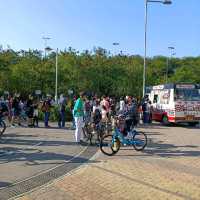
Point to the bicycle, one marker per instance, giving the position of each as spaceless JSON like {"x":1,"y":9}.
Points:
{"x":94,"y":132}
{"x":110,"y":144}
{"x":87,"y":132}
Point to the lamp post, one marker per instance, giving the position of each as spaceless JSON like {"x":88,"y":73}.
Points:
{"x":165,"y":2}
{"x":171,"y":53}
{"x":56,"y":78}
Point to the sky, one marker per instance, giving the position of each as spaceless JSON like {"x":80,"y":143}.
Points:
{"x":83,"y":24}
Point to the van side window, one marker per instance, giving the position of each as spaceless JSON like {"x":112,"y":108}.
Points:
{"x":165,"y":97}
{"x":155,"y":98}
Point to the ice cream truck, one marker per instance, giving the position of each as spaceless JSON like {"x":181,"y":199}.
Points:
{"x":177,"y":103}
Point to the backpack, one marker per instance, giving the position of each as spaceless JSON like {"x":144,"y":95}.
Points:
{"x":43,"y":108}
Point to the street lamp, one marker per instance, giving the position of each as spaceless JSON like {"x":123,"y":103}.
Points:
{"x":56,"y":78}
{"x":165,"y":2}
{"x":171,"y":53}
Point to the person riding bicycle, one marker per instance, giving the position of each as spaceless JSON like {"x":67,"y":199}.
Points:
{"x":130,"y":114}
{"x":96,"y":114}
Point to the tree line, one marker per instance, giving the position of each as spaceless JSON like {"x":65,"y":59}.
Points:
{"x":97,"y":71}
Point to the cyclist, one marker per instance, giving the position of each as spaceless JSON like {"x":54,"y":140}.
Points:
{"x":96,"y":114}
{"x":129,"y":113}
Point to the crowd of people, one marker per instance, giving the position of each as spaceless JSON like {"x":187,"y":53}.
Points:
{"x":84,"y":109}
{"x":95,"y":109}
{"x":19,"y":109}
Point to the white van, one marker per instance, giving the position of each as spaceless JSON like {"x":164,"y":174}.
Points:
{"x":175,"y":103}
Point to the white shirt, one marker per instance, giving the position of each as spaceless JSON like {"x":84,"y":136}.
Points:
{"x":122,"y":105}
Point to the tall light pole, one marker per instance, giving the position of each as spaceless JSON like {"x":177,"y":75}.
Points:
{"x":56,"y":86}
{"x":171,"y":53}
{"x":56,"y":78}
{"x":165,"y":2}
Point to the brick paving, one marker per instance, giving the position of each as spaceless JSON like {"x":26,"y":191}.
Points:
{"x":169,"y":168}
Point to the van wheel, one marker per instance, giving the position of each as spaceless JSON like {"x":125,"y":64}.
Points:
{"x":165,"y":120}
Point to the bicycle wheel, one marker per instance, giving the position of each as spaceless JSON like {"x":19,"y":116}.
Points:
{"x":87,"y":131}
{"x":2,"y":127}
{"x":100,"y":134}
{"x":108,"y":147}
{"x":139,"y":141}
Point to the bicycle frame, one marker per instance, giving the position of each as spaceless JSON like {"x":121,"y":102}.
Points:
{"x":120,"y":136}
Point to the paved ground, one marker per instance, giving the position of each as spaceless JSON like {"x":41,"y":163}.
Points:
{"x":25,"y":152}
{"x":169,"y":168}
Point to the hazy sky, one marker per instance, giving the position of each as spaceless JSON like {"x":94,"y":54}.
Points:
{"x":84,"y":24}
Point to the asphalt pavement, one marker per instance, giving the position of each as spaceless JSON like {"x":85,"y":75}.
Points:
{"x":26,"y":153}
{"x":169,"y":168}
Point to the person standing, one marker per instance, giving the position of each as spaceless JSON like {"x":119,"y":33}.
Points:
{"x":15,"y":110}
{"x":88,"y":110}
{"x":105,"y":103}
{"x":122,"y":104}
{"x":29,"y":111}
{"x":96,"y":112}
{"x":62,"y":111}
{"x":78,"y":113}
{"x":146,"y":107}
{"x":35,"y":114}
{"x":129,"y":113}
{"x":46,"y":109}
{"x":72,"y":103}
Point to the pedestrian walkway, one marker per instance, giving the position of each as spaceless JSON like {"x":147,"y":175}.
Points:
{"x":31,"y":157}
{"x":168,"y":169}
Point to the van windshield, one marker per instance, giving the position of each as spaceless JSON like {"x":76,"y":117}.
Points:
{"x":187,"y":94}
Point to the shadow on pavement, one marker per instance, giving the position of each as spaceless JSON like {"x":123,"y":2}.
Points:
{"x":159,"y":148}
{"x":37,"y":157}
{"x":31,"y":142}
{"x":4,"y":184}
{"x":153,"y":126}
{"x":16,"y":135}
{"x":162,"y":149}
